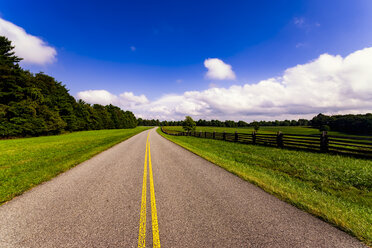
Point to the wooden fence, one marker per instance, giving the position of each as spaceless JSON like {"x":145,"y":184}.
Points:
{"x":357,"y":146}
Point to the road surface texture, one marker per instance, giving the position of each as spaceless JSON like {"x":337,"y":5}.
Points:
{"x":198,"y":204}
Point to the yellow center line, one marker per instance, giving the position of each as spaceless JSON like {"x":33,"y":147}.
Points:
{"x":154,"y":215}
{"x":155,"y":227}
{"x":142,"y":227}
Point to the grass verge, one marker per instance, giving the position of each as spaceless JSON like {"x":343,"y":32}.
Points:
{"x":27,"y":162}
{"x":335,"y":188}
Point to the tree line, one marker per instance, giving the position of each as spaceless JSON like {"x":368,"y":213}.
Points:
{"x":227,"y":123}
{"x":354,"y":124}
{"x":37,"y":104}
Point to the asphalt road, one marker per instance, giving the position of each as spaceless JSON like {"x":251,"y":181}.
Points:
{"x":98,"y":204}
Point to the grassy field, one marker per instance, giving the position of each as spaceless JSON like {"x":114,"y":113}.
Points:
{"x":25,"y":163}
{"x":334,"y":188}
{"x":264,"y":130}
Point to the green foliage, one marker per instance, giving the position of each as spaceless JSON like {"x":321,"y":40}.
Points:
{"x":256,"y":126}
{"x":36,"y":104}
{"x":153,"y":122}
{"x":324,"y":128}
{"x":335,"y":188}
{"x":354,"y":124}
{"x":227,"y":123}
{"x":189,"y":124}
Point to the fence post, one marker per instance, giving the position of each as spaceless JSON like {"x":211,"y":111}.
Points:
{"x":200,"y":134}
{"x":205,"y":134}
{"x":224,"y":135}
{"x":324,"y":142}
{"x":253,"y":137}
{"x":236,"y":136}
{"x":279,"y":139}
{"x":214,"y":134}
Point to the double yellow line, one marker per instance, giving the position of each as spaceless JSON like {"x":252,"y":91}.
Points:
{"x":154,"y":215}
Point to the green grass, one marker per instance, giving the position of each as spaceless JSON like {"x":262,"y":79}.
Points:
{"x":335,"y":188}
{"x":264,"y":130}
{"x":27,"y":162}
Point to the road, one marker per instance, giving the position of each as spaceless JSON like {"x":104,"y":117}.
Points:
{"x":184,"y":201}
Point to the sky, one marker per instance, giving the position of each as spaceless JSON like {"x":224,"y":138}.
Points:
{"x":237,"y":60}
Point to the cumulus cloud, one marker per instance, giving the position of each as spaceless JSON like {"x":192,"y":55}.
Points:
{"x":217,"y":69}
{"x":103,"y":97}
{"x":32,"y":49}
{"x":128,"y":99}
{"x":329,"y":84}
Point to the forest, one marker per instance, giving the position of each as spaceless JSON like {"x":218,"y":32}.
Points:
{"x":37,"y":104}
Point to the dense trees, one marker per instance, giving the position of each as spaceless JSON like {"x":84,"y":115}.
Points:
{"x":230,"y":123}
{"x":36,"y":104}
{"x":227,"y":123}
{"x":356,"y":124}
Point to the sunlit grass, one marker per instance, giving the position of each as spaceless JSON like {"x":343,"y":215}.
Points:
{"x":27,"y":162}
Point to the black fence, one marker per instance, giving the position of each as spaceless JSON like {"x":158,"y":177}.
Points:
{"x":356,"y":146}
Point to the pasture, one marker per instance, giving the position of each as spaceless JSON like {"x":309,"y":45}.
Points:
{"x":27,"y":162}
{"x":333,"y":187}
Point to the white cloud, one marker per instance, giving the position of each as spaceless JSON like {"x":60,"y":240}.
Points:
{"x":32,"y":49}
{"x":124,"y":100}
{"x":97,"y":96}
{"x":217,"y":69}
{"x":129,"y":100}
{"x":328,"y":84}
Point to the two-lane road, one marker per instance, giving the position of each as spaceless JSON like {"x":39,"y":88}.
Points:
{"x":148,"y":188}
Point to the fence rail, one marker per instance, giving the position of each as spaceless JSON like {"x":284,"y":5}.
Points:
{"x":356,"y":146}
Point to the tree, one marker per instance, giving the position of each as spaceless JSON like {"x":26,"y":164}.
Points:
{"x":324,"y":128}
{"x":189,"y":124}
{"x":242,"y":124}
{"x":10,"y":73}
{"x":320,"y":120}
{"x":256,"y":125}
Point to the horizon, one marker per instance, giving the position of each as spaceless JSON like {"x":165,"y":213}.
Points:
{"x":224,"y":61}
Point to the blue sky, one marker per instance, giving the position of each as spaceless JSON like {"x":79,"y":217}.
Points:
{"x":158,"y":48}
